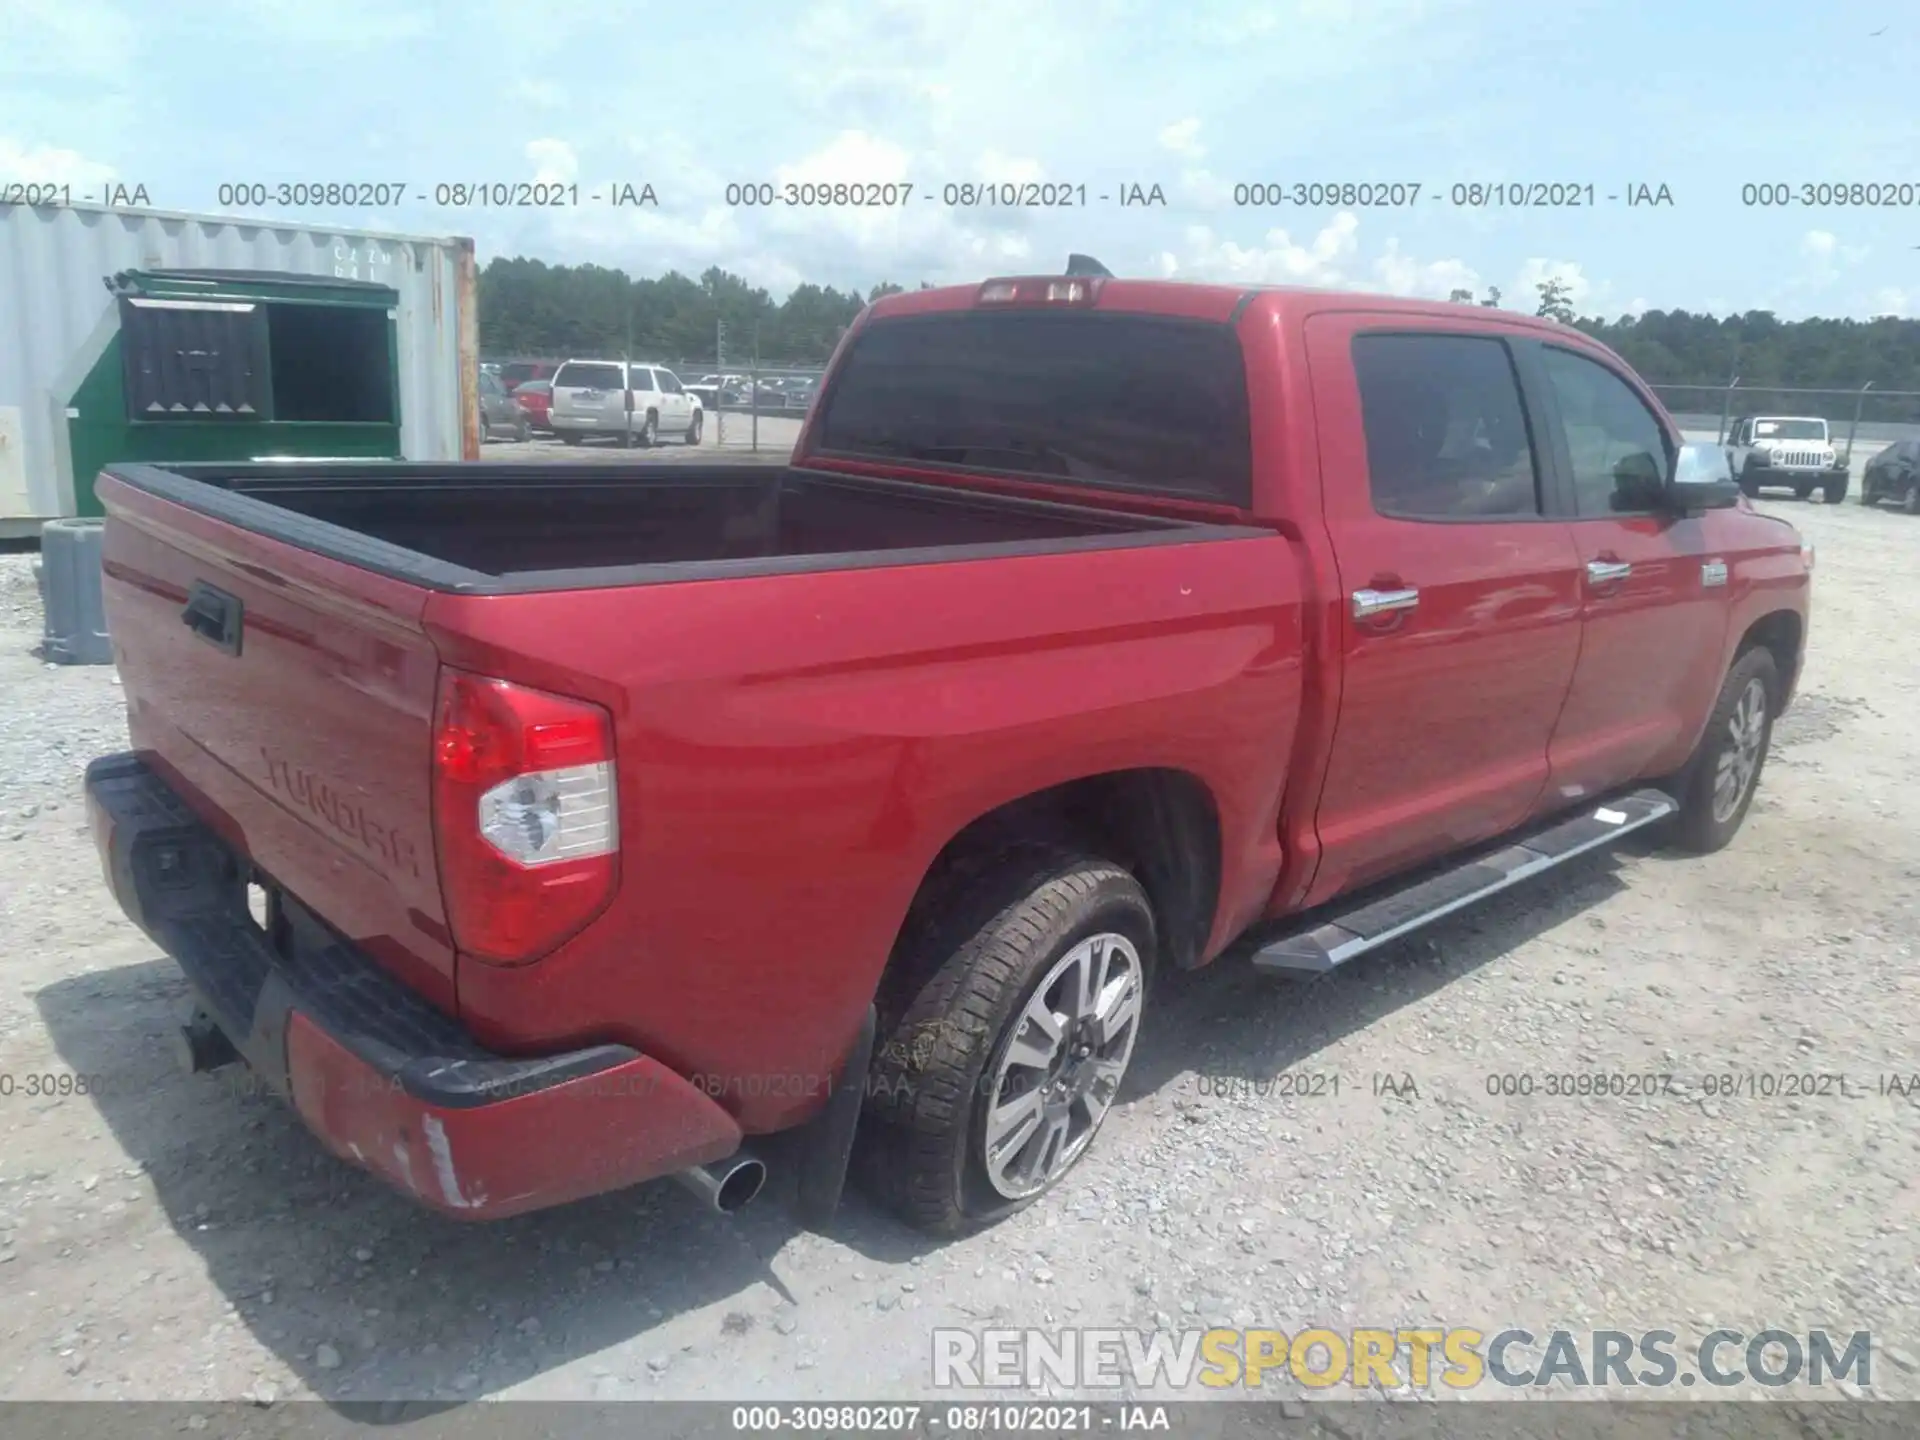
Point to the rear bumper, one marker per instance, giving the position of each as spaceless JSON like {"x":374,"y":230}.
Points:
{"x":383,"y":1078}
{"x":1785,"y":477}
{"x":587,"y":424}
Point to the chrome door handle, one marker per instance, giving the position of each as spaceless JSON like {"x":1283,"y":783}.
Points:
{"x":1607,"y":572}
{"x":1368,"y":603}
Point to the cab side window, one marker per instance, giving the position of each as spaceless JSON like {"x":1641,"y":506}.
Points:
{"x":1447,"y":435}
{"x":1617,"y":446}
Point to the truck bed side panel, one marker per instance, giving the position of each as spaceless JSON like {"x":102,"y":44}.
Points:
{"x":794,"y":751}
{"x":310,"y":748}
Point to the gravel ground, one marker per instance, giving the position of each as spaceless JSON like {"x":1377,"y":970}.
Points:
{"x":173,"y":1237}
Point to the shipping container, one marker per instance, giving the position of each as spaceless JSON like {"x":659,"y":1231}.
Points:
{"x":60,"y":316}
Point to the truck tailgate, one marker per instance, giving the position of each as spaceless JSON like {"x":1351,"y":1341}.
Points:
{"x":290,"y":698}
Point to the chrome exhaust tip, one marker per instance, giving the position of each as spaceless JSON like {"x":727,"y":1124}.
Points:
{"x":726,"y":1185}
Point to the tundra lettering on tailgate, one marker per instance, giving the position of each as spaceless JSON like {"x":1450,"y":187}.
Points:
{"x":341,"y":813}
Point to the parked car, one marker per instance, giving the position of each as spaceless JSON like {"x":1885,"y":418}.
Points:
{"x":714,"y":391}
{"x":632,"y":403}
{"x":499,"y":415}
{"x":603,"y":826}
{"x":1894,"y":474}
{"x":516,"y":373}
{"x":1788,"y":452}
{"x":536,"y":398}
{"x":799,"y":392}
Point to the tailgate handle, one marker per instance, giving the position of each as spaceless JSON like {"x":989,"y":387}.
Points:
{"x":215,"y":616}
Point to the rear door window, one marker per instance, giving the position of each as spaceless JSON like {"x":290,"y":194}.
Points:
{"x":1122,"y":402}
{"x":1447,"y":436}
{"x":589,"y":376}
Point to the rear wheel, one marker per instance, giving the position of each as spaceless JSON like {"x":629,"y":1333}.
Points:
{"x":523,"y":430}
{"x":993,"y":1082}
{"x":1718,"y":784}
{"x":1912,"y":503}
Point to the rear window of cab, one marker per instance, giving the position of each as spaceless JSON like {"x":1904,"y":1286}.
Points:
{"x":1109,"y":401}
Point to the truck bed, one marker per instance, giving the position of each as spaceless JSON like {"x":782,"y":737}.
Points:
{"x":483,"y":528}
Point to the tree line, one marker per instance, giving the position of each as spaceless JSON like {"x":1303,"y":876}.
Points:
{"x":529,"y":308}
{"x":1771,"y":357}
{"x":532,"y":309}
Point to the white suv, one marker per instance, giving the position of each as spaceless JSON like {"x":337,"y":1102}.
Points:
{"x":628,"y":401}
{"x":1788,"y":451}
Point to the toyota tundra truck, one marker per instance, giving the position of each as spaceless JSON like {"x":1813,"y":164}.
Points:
{"x":537,"y":830}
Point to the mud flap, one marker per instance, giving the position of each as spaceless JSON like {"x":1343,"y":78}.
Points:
{"x":827,"y":1145}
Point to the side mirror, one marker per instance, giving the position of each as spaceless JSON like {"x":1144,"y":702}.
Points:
{"x":1702,"y":480}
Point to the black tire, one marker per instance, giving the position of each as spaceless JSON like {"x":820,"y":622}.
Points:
{"x":692,"y":437}
{"x":977,"y":955}
{"x":567,"y":437}
{"x":1911,"y":504}
{"x":1835,"y":490}
{"x":1803,"y":492}
{"x":523,"y":432}
{"x":1703,"y":825}
{"x":1749,"y":486}
{"x":648,"y":434}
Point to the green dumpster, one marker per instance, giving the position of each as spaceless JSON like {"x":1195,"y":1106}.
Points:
{"x":239,"y":365}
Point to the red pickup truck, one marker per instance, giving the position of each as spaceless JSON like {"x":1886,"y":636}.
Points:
{"x":542,"y":829}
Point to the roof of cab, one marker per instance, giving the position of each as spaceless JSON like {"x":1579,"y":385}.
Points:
{"x":1223,"y":303}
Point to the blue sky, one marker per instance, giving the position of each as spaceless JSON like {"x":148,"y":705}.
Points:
{"x":1195,"y":97}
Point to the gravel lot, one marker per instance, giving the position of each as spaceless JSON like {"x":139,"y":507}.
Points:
{"x":170,"y":1237}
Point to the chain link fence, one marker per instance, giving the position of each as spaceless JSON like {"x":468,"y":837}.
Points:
{"x":1862,"y":421}
{"x":752,"y":406}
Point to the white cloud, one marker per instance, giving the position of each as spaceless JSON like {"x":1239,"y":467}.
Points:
{"x":1331,"y":259}
{"x":782,"y":246}
{"x":50,"y":165}
{"x":543,"y":93}
{"x":1896,"y":301}
{"x":1399,"y":274}
{"x":554,"y":161}
{"x":998,"y":169}
{"x":1827,"y":259}
{"x":1278,"y":260}
{"x":1183,"y":138}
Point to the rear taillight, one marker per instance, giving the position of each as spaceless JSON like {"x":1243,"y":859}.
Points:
{"x":525,"y":818}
